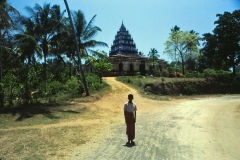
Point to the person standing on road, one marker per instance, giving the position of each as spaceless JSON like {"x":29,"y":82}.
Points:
{"x":130,"y":109}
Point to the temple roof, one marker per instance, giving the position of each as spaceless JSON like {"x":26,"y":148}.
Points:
{"x":123,"y":43}
{"x":122,"y":28}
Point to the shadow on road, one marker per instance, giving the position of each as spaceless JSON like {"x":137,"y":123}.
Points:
{"x":129,"y":145}
{"x":29,"y":111}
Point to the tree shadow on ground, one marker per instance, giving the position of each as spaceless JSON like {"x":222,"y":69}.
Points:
{"x":31,"y":110}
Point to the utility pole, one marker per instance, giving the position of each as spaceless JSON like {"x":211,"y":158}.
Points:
{"x":77,"y":50}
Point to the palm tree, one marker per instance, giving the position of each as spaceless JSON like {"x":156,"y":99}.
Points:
{"x":140,"y":53}
{"x":27,"y":48}
{"x":8,"y":22}
{"x":26,"y":44}
{"x":85,"y":33}
{"x":77,"y":50}
{"x":153,"y":56}
{"x":47,"y":25}
{"x":8,"y":15}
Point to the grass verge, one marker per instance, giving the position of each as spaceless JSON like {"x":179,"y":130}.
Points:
{"x":46,"y":131}
{"x":138,"y":82}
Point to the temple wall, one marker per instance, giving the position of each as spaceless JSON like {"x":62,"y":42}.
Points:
{"x":135,"y":65}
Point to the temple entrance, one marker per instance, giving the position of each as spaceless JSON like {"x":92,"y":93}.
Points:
{"x":142,"y":68}
{"x":120,"y":67}
{"x":160,"y":67}
{"x":131,"y":68}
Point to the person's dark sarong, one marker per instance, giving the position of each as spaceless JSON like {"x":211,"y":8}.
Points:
{"x":130,"y":129}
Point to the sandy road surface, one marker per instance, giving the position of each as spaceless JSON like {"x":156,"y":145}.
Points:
{"x":206,"y":128}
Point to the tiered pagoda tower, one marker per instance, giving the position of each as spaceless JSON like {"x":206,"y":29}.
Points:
{"x":123,"y":44}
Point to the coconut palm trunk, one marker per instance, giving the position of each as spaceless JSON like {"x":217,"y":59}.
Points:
{"x":1,"y":90}
{"x":77,"y":50}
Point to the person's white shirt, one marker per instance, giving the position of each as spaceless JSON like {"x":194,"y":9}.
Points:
{"x":130,"y":107}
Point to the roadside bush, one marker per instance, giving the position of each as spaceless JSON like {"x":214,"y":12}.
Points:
{"x":236,"y":80}
{"x":165,"y":73}
{"x":9,"y":85}
{"x":124,"y":79}
{"x":224,"y":77}
{"x":193,"y":74}
{"x":188,"y":88}
{"x":138,"y":74}
{"x":50,"y":90}
{"x":157,"y":73}
{"x":91,"y":78}
{"x":209,"y":72}
{"x":93,"y":82}
{"x":72,"y":87}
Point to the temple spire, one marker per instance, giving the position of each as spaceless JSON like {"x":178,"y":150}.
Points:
{"x":123,"y":43}
{"x":122,"y":28}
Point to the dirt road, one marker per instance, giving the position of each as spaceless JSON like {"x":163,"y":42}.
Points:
{"x":206,"y":128}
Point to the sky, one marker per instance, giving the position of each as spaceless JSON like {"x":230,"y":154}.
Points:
{"x":148,"y":21}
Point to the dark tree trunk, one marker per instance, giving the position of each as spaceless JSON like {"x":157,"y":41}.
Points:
{"x":234,"y":67}
{"x":1,"y":90}
{"x":183,"y":72}
{"x":77,"y":50}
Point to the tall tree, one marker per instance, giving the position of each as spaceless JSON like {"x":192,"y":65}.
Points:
{"x":27,"y":47}
{"x":85,"y":33}
{"x":227,"y":34}
{"x":101,"y":64}
{"x":210,"y":56}
{"x":153,"y":55}
{"x":181,"y":45}
{"x":8,"y":17}
{"x":140,"y":53}
{"x":47,"y":22}
{"x":77,"y":50}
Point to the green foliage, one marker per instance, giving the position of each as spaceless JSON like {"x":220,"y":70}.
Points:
{"x":153,"y":55}
{"x":72,"y":86}
{"x":93,"y":82}
{"x":157,"y":73}
{"x":125,"y":79}
{"x":138,"y":74}
{"x":165,"y":73}
{"x":182,"y":45}
{"x":227,"y":35}
{"x":101,"y":64}
{"x":9,"y":85}
{"x":220,"y":76}
{"x":224,"y":77}
{"x":209,"y":72}
{"x":171,"y":71}
{"x":194,"y":74}
{"x":236,"y":80}
{"x":47,"y":36}
{"x":188,"y":88}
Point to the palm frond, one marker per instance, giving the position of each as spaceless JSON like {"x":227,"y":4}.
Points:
{"x":79,"y":22}
{"x":30,"y":11}
{"x":90,"y":23}
{"x":94,"y":43}
{"x":90,"y":33}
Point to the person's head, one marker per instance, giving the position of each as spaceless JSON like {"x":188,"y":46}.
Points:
{"x":130,"y":97}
